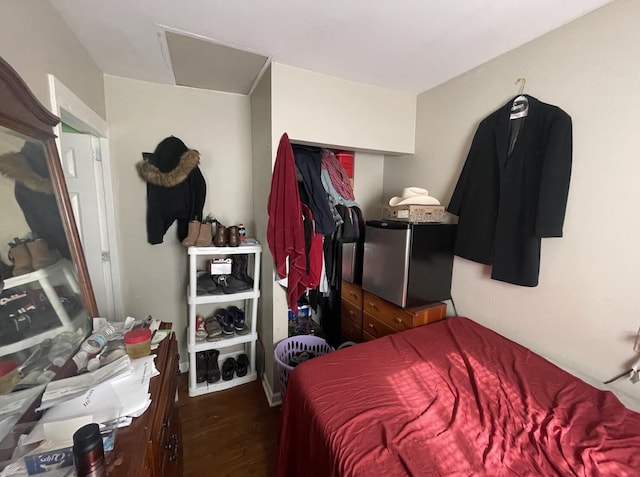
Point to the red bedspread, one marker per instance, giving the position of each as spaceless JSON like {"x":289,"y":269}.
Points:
{"x":450,"y":399}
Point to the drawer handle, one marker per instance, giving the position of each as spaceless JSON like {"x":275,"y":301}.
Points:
{"x":351,"y":312}
{"x":173,"y":446}
{"x":371,"y":326}
{"x":372,"y":305}
{"x":398,"y":320}
{"x":353,"y":295}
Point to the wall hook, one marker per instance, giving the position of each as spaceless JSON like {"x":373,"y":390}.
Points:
{"x":522,"y":81}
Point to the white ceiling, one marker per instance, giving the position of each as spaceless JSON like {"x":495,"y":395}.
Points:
{"x":405,"y":45}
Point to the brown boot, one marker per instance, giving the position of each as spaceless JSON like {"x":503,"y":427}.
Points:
{"x":204,"y":237}
{"x":192,"y":234}
{"x":41,"y":256}
{"x":21,"y":259}
{"x":233,"y":237}
{"x":220,"y":240}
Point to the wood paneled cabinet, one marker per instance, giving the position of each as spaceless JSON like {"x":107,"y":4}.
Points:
{"x":152,"y":445}
{"x":365,"y":316}
{"x":381,"y":318}
{"x":351,"y":312}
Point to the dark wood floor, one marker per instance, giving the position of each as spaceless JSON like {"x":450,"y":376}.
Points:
{"x":228,"y":433}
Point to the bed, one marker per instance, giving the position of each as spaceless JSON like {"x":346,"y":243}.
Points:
{"x":450,"y":399}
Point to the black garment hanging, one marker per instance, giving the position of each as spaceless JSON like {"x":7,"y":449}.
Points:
{"x":508,"y":198}
{"x":176,"y":188}
{"x":309,"y":164}
{"x":34,"y":194}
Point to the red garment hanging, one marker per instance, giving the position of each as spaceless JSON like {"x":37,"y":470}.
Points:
{"x":285,"y":232}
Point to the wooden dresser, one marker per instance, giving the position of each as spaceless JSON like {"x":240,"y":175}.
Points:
{"x":351,"y":312}
{"x":152,"y":445}
{"x":381,"y":318}
{"x":365,"y":316}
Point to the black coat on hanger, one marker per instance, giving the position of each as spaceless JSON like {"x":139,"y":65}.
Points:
{"x":507,"y":202}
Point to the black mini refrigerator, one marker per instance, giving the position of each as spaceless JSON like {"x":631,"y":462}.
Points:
{"x":408,"y":264}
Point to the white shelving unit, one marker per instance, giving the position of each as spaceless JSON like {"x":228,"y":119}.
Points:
{"x":43,"y":278}
{"x":228,"y":347}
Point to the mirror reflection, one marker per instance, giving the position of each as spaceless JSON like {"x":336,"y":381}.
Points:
{"x":42,"y":318}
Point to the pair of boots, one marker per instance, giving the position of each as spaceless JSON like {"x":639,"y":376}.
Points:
{"x":207,"y":366}
{"x":30,"y":255}
{"x":199,"y":234}
{"x":227,"y":236}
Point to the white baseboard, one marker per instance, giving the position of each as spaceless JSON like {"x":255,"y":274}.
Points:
{"x":184,"y":366}
{"x":273,"y":399}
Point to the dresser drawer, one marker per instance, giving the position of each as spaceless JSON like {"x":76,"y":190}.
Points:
{"x":402,"y":319}
{"x":352,"y":293}
{"x":350,"y":313}
{"x":351,"y":332}
{"x":375,"y":327}
{"x":367,"y":337}
{"x":397,"y":318}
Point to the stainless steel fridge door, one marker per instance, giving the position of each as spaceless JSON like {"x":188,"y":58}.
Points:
{"x":348,"y":261}
{"x":385,"y":270}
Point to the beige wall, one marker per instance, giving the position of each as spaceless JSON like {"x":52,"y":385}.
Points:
{"x":218,"y":125}
{"x":368,"y":171}
{"x":584,"y":313}
{"x":261,"y":161}
{"x":35,"y":40}
{"x":323,"y":109}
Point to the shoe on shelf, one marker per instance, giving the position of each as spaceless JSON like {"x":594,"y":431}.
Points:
{"x":213,"y":329}
{"x":238,"y":318}
{"x":41,"y":256}
{"x":242,"y":365}
{"x":239,"y":268}
{"x":204,"y":284}
{"x":201,"y":367}
{"x":213,"y":371}
{"x":192,"y":233}
{"x":231,"y":284}
{"x":226,"y":321}
{"x":228,"y":368}
{"x":220,"y":239}
{"x":244,"y":331}
{"x":233,"y":236}
{"x":201,"y":331}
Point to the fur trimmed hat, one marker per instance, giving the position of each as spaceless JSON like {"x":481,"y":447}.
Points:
{"x":170,"y":164}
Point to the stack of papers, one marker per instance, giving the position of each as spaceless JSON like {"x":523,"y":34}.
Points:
{"x":111,"y":403}
{"x":64,"y":389}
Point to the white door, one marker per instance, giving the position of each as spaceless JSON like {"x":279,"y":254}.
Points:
{"x":80,"y":157}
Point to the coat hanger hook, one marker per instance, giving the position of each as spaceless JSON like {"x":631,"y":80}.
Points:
{"x":522,"y":81}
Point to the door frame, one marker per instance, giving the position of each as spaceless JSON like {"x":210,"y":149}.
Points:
{"x":75,"y":113}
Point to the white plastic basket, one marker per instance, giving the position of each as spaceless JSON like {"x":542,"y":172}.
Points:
{"x":288,"y":347}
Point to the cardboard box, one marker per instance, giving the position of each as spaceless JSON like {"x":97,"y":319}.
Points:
{"x":414,"y":213}
{"x":221,"y":266}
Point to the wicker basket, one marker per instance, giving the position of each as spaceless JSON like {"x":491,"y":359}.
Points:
{"x":288,"y":347}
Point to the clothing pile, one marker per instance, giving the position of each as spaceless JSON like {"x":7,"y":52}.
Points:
{"x":312,"y":211}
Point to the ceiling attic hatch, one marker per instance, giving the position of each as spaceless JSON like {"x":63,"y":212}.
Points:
{"x":203,"y":64}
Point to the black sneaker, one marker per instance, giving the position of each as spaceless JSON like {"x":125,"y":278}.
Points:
{"x":226,"y":321}
{"x":242,"y":365}
{"x":228,"y":368}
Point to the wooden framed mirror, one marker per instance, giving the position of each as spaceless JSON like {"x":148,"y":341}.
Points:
{"x":45,"y":288}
